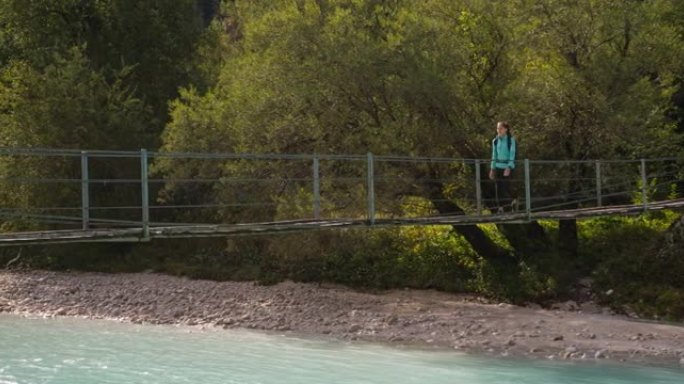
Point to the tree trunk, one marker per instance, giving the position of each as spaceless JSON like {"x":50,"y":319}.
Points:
{"x":481,"y":243}
{"x":567,"y":229}
{"x":526,"y":239}
{"x":567,"y":238}
{"x":672,"y":245}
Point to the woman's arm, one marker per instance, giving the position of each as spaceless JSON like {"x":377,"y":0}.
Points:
{"x":511,"y":154}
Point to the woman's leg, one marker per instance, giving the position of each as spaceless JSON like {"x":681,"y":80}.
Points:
{"x":503,"y":188}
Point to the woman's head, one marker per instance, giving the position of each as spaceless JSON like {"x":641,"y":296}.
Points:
{"x":502,"y":128}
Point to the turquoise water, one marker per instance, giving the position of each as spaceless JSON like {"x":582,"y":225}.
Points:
{"x":77,"y":351}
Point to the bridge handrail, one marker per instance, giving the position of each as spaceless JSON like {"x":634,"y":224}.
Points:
{"x":589,"y":187}
{"x":38,"y":151}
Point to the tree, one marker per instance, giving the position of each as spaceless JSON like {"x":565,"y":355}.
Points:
{"x":64,"y":105}
{"x":597,"y":83}
{"x":396,"y":77}
{"x":153,"y":40}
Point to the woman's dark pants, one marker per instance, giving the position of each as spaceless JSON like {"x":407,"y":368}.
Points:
{"x":503,"y":189}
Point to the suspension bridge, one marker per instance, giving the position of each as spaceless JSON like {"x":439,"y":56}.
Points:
{"x":64,"y":196}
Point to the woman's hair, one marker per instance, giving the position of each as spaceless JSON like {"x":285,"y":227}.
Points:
{"x":508,"y":128}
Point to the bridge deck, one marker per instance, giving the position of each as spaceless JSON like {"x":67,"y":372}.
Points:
{"x":221,"y":230}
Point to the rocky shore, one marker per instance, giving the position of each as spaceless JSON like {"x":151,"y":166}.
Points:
{"x":409,"y":317}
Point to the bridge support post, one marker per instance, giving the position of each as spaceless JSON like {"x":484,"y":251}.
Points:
{"x":145,"y":194}
{"x":599,"y":183}
{"x":478,"y":187}
{"x":528,"y":190}
{"x":85,"y":198}
{"x":370,"y":186}
{"x":644,"y":183}
{"x":316,"y":188}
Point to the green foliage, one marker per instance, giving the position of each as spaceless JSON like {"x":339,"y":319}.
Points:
{"x":152,"y":40}
{"x":157,"y":39}
{"x":592,"y":79}
{"x":342,"y":76}
{"x":65,"y":104}
{"x":622,"y":255}
{"x":610,"y":234}
{"x":86,"y":75}
{"x":587,"y":85}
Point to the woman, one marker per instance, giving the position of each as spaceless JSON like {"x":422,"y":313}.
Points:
{"x":503,"y":164}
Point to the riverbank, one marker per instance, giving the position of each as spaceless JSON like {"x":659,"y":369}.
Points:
{"x":411,"y":317}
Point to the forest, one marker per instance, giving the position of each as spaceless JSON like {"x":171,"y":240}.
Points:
{"x":577,"y":80}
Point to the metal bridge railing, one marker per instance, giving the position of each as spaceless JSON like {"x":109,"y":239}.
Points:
{"x":45,"y":189}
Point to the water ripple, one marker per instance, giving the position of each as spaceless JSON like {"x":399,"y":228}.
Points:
{"x":78,"y":351}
